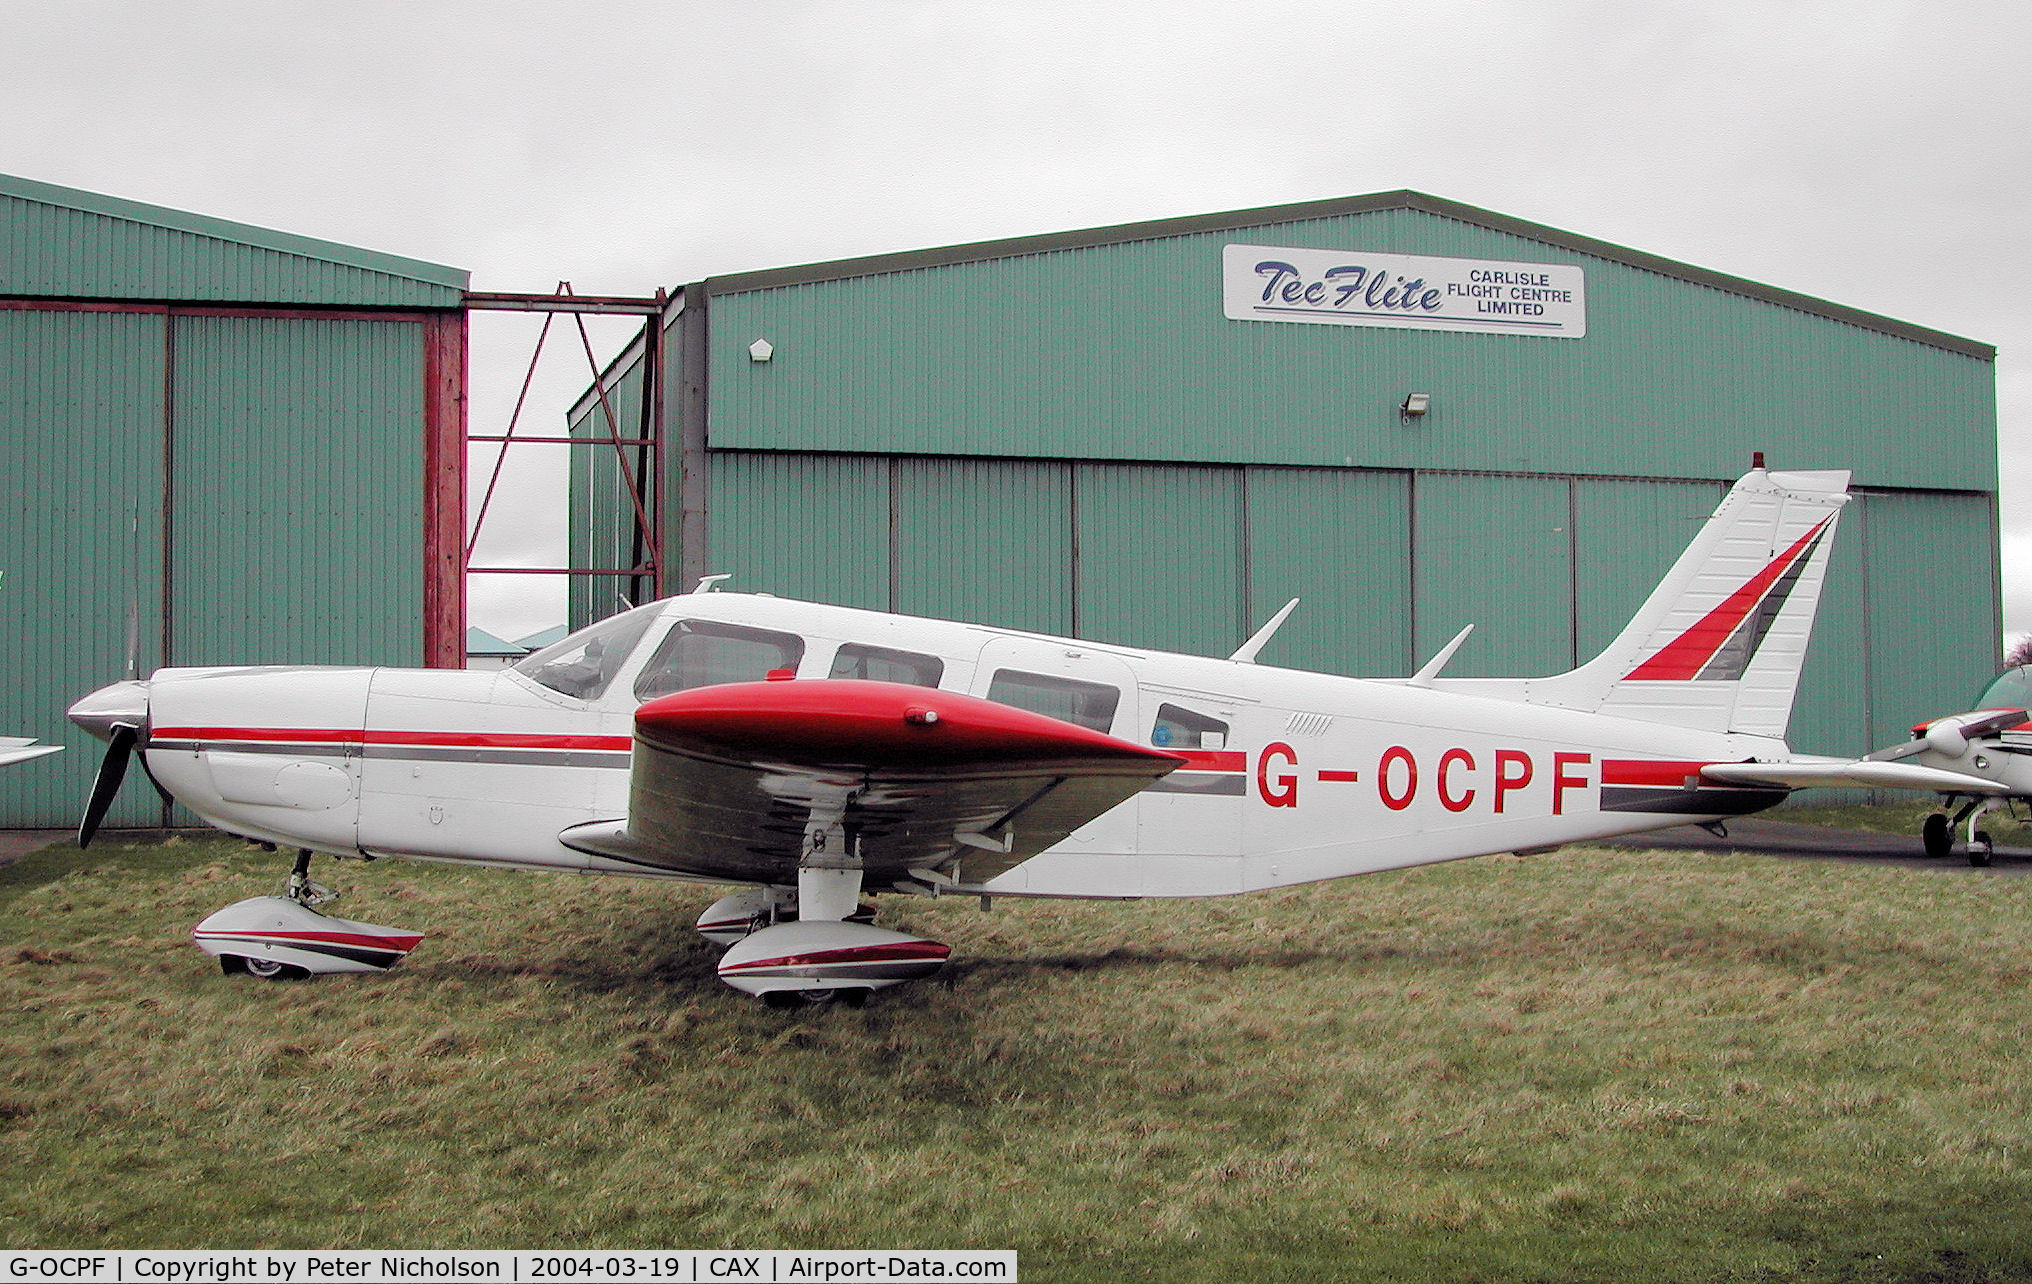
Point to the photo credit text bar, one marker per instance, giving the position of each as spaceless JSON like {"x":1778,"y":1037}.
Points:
{"x":511,"y":1266}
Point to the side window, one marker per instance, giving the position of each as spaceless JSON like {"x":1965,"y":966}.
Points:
{"x":1086,"y":704}
{"x":583,"y":664}
{"x":1178,"y":728}
{"x":881,"y":664}
{"x":704,"y":653}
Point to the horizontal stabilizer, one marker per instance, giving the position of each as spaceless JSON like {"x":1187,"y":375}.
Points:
{"x":1850,"y":774}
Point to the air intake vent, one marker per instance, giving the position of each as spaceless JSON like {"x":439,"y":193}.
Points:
{"x":1307,"y":724}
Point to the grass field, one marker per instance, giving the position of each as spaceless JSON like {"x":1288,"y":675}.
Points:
{"x":1591,"y":1065}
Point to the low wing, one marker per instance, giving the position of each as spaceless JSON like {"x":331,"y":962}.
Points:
{"x":732,"y":782}
{"x":15,"y":749}
{"x":1850,"y":773}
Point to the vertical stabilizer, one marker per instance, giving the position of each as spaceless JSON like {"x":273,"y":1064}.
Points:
{"x":1719,"y":645}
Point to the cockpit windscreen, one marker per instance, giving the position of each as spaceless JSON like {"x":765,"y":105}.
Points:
{"x":584,"y":664}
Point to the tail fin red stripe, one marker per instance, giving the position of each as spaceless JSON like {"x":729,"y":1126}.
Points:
{"x":1681,"y":659}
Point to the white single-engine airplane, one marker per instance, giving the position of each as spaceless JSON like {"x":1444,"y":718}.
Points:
{"x":815,"y":754}
{"x":1978,"y":762}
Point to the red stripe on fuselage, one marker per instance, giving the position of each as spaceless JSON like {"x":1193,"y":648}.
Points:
{"x":345,"y":736}
{"x":1212,"y":760}
{"x":1640,"y":771}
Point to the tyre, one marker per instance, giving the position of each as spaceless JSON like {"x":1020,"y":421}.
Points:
{"x":1979,"y":850}
{"x":798,"y":998}
{"x":1936,"y":836}
{"x":273,"y":970}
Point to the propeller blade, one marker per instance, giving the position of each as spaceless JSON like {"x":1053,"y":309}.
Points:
{"x":112,"y":770}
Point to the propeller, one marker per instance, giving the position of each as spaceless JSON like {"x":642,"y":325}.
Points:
{"x":119,"y":715}
{"x":120,"y":740}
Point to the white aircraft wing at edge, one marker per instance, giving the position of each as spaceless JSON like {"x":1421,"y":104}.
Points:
{"x":15,"y":749}
{"x":1850,"y":773}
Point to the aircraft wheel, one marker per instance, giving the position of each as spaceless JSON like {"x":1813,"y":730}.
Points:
{"x":1936,"y":836}
{"x":273,"y":970}
{"x":1979,"y":850}
{"x":786,"y":999}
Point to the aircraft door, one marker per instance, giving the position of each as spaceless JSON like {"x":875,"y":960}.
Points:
{"x":1074,"y":684}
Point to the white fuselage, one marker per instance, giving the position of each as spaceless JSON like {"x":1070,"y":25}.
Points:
{"x":1291,"y":776}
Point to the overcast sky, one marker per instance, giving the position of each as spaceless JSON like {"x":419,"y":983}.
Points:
{"x":1877,"y":154}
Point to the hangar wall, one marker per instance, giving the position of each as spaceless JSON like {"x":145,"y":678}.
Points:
{"x":238,"y":439}
{"x":1119,"y":349}
{"x":1067,"y":433}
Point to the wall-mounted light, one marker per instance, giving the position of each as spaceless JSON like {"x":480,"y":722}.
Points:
{"x":761,"y":350}
{"x":1415,"y":404}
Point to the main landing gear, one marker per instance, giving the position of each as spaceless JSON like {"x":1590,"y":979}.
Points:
{"x":793,"y":948}
{"x":1936,"y":834}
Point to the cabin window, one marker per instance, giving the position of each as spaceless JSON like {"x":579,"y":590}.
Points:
{"x":1178,"y":728}
{"x":705,"y":653}
{"x":1085,"y":704}
{"x":583,"y":664}
{"x":881,"y":664}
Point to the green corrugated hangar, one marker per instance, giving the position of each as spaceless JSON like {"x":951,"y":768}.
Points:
{"x":227,"y":445}
{"x":1156,"y":434}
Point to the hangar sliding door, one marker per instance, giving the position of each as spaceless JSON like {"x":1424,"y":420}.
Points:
{"x":81,"y":421}
{"x":1339,"y":540}
{"x":1494,"y":552}
{"x":1908,"y":626}
{"x":985,"y":541}
{"x":297,"y":508}
{"x":806,"y":526}
{"x":1159,"y":556}
{"x":1932,"y":609}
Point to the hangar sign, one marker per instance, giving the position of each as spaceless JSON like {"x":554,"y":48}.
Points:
{"x":1413,"y":292}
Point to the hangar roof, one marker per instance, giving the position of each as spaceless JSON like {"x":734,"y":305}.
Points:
{"x":59,"y":242}
{"x":1263,"y":216}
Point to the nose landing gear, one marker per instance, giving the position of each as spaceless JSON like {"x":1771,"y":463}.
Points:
{"x":282,"y":938}
{"x":1936,"y":833}
{"x":301,"y":890}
